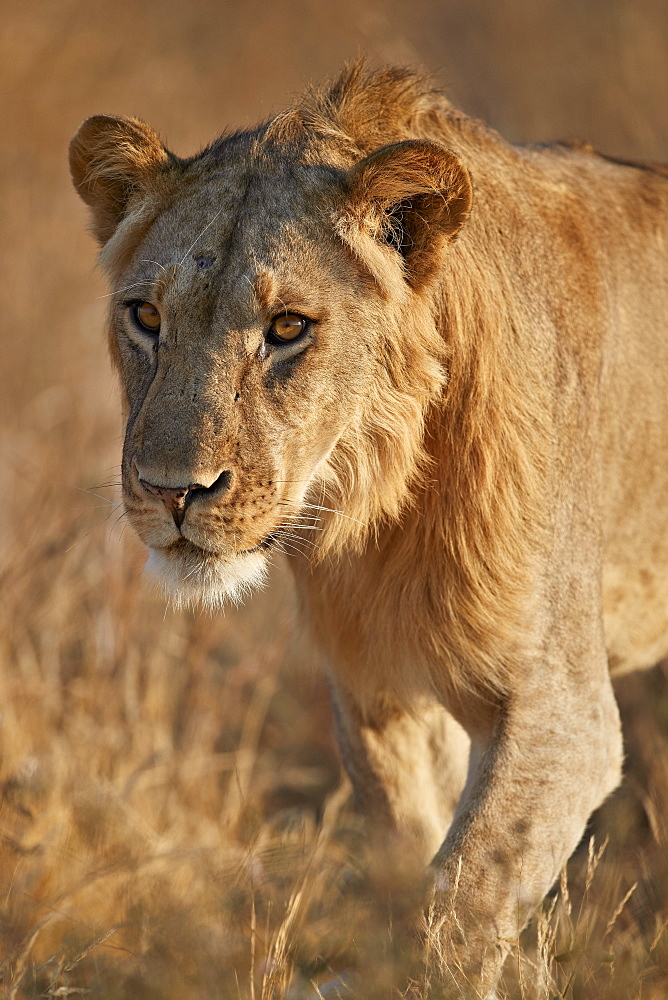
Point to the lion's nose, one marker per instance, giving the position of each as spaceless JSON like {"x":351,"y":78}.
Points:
{"x":177,"y":498}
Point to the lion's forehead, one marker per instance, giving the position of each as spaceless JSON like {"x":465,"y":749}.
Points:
{"x":255,"y":213}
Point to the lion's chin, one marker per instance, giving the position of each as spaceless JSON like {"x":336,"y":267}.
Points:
{"x":188,"y":576}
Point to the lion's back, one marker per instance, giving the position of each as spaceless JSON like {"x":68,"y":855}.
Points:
{"x":634,"y":424}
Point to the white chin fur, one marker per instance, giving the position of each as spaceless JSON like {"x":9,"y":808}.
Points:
{"x":190,"y":579}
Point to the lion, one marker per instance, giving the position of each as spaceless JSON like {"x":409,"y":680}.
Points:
{"x":433,"y":365}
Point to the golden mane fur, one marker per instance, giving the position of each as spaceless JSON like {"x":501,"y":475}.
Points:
{"x":483,"y":513}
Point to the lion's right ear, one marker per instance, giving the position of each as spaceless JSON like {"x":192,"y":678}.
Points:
{"x":110,"y":160}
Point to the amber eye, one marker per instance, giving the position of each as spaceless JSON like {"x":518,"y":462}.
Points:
{"x":146,"y":317}
{"x":286,"y":328}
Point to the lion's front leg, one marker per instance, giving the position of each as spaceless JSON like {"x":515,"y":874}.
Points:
{"x":407,"y":768}
{"x":553,"y":754}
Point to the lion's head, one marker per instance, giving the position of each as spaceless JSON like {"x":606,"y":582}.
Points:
{"x":273,"y":323}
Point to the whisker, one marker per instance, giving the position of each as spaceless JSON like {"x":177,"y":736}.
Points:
{"x":332,"y":511}
{"x":298,"y":542}
{"x":147,"y":260}
{"x":208,"y":226}
{"x":79,"y":539}
{"x":284,"y":546}
{"x":297,"y":511}
{"x":298,"y":538}
{"x":92,"y":494}
{"x":119,"y":291}
{"x":297,"y":508}
{"x":197,"y":567}
{"x":297,"y":517}
{"x":116,"y":523}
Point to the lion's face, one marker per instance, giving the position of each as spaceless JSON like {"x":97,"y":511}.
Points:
{"x":262,"y":358}
{"x":272,"y":341}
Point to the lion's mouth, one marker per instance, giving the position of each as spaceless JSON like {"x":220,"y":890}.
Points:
{"x":186,"y":546}
{"x":265,"y":543}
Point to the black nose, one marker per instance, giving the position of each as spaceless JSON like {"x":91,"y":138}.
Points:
{"x":178,"y":498}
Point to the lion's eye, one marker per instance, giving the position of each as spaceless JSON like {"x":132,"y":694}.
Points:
{"x":146,"y":317}
{"x":286,"y":328}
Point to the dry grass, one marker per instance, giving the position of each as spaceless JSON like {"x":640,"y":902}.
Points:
{"x":172,"y":819}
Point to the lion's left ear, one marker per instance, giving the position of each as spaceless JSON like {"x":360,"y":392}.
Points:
{"x":110,"y":160}
{"x":415,"y":195}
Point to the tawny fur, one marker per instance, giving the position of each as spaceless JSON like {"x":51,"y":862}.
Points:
{"x":475,"y":424}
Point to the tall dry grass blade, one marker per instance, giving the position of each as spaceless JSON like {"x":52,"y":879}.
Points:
{"x":253,"y":944}
{"x":21,"y":960}
{"x":618,"y":911}
{"x":246,"y":753}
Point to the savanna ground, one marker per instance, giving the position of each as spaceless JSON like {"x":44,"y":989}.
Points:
{"x":173,"y":822}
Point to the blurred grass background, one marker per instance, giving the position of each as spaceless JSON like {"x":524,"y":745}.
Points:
{"x":172,"y":818}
